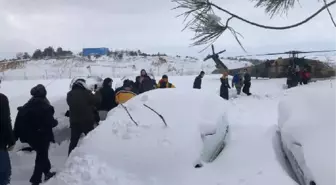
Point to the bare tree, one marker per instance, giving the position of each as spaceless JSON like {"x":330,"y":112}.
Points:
{"x":208,"y":27}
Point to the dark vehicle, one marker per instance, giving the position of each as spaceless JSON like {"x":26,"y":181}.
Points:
{"x":278,"y":68}
{"x":221,"y":67}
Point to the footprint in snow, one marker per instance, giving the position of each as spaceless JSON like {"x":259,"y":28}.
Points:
{"x":145,"y":126}
{"x":114,"y":131}
{"x":144,"y":98}
{"x":126,"y":136}
{"x":166,"y":142}
{"x":86,"y":176}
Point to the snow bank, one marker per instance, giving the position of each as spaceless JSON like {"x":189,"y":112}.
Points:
{"x":307,"y":116}
{"x":151,"y":152}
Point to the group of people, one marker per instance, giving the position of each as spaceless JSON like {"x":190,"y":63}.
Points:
{"x":35,"y":120}
{"x":296,"y":76}
{"x":241,"y":80}
{"x":33,"y":125}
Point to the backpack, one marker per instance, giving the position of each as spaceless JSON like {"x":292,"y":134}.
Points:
{"x":22,"y":130}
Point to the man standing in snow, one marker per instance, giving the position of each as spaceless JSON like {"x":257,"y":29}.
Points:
{"x":7,"y":140}
{"x":82,"y":106}
{"x":305,"y":76}
{"x":125,"y":93}
{"x":247,"y":83}
{"x":107,"y":98}
{"x":33,"y":125}
{"x":143,"y":82}
{"x":164,"y":83}
{"x":198,"y":80}
{"x":224,"y":88}
{"x":237,"y":81}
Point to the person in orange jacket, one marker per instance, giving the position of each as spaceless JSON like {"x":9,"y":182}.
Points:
{"x":164,"y":83}
{"x":125,"y":93}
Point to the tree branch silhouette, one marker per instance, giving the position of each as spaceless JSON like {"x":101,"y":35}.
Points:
{"x":208,"y":27}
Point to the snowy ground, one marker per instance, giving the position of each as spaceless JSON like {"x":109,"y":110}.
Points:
{"x":249,"y":158}
{"x":104,"y":66}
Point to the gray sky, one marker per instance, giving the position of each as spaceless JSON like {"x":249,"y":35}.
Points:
{"x":150,"y":25}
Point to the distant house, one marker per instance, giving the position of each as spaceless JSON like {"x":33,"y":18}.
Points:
{"x":95,"y":51}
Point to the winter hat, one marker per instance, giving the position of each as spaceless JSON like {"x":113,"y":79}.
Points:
{"x":80,"y":83}
{"x":164,"y":77}
{"x":128,"y":83}
{"x":202,"y":73}
{"x":39,"y":91}
{"x":107,"y":81}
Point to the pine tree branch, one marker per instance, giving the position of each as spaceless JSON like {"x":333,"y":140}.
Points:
{"x":274,"y":7}
{"x":275,"y":27}
{"x":330,"y":15}
{"x":208,"y":27}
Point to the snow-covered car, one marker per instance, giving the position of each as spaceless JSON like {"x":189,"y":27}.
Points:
{"x":158,"y":137}
{"x":93,"y":82}
{"x":307,"y":131}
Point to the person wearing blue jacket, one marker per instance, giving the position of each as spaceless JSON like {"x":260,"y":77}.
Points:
{"x":237,"y":82}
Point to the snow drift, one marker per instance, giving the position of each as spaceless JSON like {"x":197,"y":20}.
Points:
{"x":307,"y":126}
{"x":119,"y":152}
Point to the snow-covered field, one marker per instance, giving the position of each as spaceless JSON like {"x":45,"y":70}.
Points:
{"x":119,"y":153}
{"x":104,"y":66}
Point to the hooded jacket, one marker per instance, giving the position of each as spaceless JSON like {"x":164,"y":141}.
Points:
{"x":82,"y":104}
{"x":35,"y":119}
{"x":125,"y":93}
{"x":107,"y":96}
{"x":237,"y":80}
{"x":224,"y":88}
{"x":198,"y":81}
{"x":144,"y":83}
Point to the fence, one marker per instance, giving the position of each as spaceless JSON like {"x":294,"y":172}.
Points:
{"x":70,"y":68}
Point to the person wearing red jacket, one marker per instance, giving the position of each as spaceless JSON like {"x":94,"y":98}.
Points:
{"x":305,"y":76}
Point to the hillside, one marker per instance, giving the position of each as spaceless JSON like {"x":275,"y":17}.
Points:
{"x":106,"y":66}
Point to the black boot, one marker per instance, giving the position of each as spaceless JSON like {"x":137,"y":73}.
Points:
{"x":49,"y":175}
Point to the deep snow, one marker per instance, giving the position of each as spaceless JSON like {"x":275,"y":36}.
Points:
{"x":248,"y":158}
{"x":309,"y":120}
{"x":152,"y":152}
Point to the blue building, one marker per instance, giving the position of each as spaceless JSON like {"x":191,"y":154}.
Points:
{"x":95,"y":51}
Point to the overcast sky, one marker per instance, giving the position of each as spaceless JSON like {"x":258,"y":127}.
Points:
{"x":151,"y":26}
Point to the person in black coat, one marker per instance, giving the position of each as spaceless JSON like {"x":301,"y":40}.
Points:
{"x":225,"y":86}
{"x":107,"y":98}
{"x":82,"y":111}
{"x":33,"y":125}
{"x":144,"y":83}
{"x":247,"y":83}
{"x":198,"y":80}
{"x":7,"y":140}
